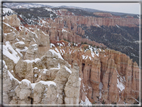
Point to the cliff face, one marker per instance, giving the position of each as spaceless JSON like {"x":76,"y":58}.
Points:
{"x":107,"y":76}
{"x":118,"y":32}
{"x":49,"y":64}
{"x":32,"y":72}
{"x":105,"y":19}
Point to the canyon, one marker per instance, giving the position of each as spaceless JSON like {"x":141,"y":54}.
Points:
{"x":120,"y":33}
{"x":53,"y":62}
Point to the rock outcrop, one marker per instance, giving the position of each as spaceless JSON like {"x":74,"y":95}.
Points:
{"x":107,"y":76}
{"x":36,"y":71}
{"x":35,"y":74}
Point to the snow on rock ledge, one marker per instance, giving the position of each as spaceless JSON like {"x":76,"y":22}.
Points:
{"x":67,"y":69}
{"x":48,"y":83}
{"x":55,"y":53}
{"x":86,"y":103}
{"x":120,"y":85}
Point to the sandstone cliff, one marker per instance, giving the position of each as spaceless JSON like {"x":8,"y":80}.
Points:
{"x":33,"y":73}
{"x":107,"y":76}
{"x":36,"y":71}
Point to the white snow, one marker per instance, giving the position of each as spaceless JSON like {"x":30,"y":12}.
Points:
{"x":35,"y":75}
{"x":87,"y":102}
{"x":44,"y":71}
{"x":63,"y":43}
{"x":20,"y":42}
{"x":18,"y":50}
{"x":120,"y":85}
{"x":83,"y":57}
{"x":10,"y":75}
{"x":56,"y":68}
{"x":52,"y":45}
{"x":51,"y":15}
{"x":27,"y":81}
{"x":68,"y":69}
{"x":48,"y":9}
{"x":98,"y":25}
{"x":10,"y":52}
{"x":135,"y":99}
{"x":35,"y":68}
{"x":31,"y":61}
{"x":9,"y":26}
{"x":57,"y":50}
{"x":33,"y":85}
{"x":21,"y":50}
{"x":63,"y":30}
{"x":117,"y":26}
{"x":59,"y":44}
{"x":59,"y":65}
{"x":58,"y":54}
{"x":6,"y":10}
{"x":48,"y":83}
{"x":79,"y":79}
{"x":92,"y":53}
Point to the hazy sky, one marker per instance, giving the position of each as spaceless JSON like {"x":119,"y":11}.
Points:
{"x":115,"y":7}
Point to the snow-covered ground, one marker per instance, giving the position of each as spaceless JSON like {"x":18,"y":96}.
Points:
{"x":6,"y":10}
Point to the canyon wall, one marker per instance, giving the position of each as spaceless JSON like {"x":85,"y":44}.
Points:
{"x":107,"y":76}
{"x":101,"y":18}
{"x":32,"y":72}
{"x":42,"y":68}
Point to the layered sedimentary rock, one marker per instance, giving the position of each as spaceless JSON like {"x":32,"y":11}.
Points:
{"x":33,"y":73}
{"x":107,"y":76}
{"x":69,"y":72}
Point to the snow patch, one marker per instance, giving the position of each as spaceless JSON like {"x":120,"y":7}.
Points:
{"x":87,"y":102}
{"x":117,"y":26}
{"x":48,"y":9}
{"x":98,"y":25}
{"x":10,"y":52}
{"x":68,"y":69}
{"x":120,"y":85}
{"x":6,"y":10}
{"x":20,"y":42}
{"x":35,"y":75}
{"x":33,"y":85}
{"x":48,"y":83}
{"x":27,"y":81}
{"x":31,"y":61}
{"x":52,"y":45}
{"x":58,"y":54}
{"x":56,"y":68}
{"x":63,"y":30}
{"x":59,"y":44}
{"x":44,"y":71}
